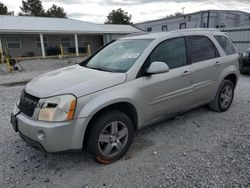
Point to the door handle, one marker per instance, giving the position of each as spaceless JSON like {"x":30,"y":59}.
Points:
{"x":186,"y":73}
{"x":217,"y":63}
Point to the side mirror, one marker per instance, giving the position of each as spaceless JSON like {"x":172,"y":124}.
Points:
{"x":157,"y":67}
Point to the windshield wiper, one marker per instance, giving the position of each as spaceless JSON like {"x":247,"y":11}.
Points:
{"x":102,"y":69}
{"x":96,"y":68}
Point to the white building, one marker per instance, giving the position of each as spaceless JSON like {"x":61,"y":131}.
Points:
{"x":23,"y":36}
{"x":202,"y":19}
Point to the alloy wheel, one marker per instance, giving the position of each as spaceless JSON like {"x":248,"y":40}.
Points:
{"x":113,"y":138}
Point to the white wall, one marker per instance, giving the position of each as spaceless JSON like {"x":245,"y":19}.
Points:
{"x":217,"y":18}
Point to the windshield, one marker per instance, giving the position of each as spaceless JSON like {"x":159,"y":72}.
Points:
{"x":118,"y":56}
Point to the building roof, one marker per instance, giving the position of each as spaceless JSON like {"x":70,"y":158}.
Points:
{"x":30,"y":24}
{"x":175,"y":33}
{"x":243,"y":28}
{"x":173,"y":17}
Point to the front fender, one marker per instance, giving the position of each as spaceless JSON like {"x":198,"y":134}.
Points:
{"x":105,"y":98}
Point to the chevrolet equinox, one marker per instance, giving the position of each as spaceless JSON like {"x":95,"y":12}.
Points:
{"x":130,"y":83}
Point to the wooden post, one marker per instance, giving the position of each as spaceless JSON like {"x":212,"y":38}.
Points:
{"x":76,"y":45}
{"x":1,"y":51}
{"x":9,"y":67}
{"x":89,"y":50}
{"x":61,"y":51}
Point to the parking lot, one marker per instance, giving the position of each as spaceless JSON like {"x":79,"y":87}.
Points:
{"x":200,"y":148}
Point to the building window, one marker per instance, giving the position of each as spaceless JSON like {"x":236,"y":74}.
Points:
{"x":149,"y":29}
{"x":86,"y":43}
{"x":45,"y":42}
{"x":85,"y":46}
{"x":164,"y":28}
{"x":66,"y":42}
{"x":183,"y":26}
{"x":13,"y":42}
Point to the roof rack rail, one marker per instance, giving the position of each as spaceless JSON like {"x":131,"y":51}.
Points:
{"x":198,"y":29}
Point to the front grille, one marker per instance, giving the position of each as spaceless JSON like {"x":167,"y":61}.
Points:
{"x":28,"y":104}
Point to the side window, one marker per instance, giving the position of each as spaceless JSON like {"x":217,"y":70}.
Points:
{"x":172,"y":52}
{"x":201,"y":49}
{"x":226,"y":44}
{"x":183,"y":26}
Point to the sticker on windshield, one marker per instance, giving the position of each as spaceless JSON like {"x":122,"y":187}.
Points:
{"x":130,"y":55}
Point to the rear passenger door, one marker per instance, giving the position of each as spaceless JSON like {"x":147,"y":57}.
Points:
{"x":206,"y":68}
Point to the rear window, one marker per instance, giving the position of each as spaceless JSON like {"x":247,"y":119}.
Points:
{"x":226,"y":44}
{"x":201,"y":48}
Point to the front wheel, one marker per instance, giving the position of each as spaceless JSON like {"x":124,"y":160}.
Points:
{"x":224,"y":97}
{"x":110,"y":136}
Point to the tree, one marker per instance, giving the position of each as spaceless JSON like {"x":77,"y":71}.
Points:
{"x":175,"y":14}
{"x":56,"y":11}
{"x":118,"y":16}
{"x":32,"y":8}
{"x":4,"y":10}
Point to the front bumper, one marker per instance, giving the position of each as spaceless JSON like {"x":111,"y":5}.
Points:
{"x":52,"y":136}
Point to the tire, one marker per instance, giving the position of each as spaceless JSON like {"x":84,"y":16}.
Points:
{"x":223,"y":98}
{"x":110,"y":136}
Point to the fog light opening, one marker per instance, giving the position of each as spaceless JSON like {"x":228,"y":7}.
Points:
{"x":41,"y":135}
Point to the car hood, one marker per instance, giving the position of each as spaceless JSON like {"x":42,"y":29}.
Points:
{"x":75,"y":79}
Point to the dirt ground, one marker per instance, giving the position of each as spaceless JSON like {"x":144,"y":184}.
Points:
{"x":200,"y":148}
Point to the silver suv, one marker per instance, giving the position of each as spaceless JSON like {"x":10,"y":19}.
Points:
{"x":130,"y":83}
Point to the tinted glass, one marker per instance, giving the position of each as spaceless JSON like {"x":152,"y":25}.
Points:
{"x":201,"y":48}
{"x":118,"y":56}
{"x":226,"y":44}
{"x":172,"y":52}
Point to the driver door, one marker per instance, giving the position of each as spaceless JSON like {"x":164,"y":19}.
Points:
{"x":169,"y":92}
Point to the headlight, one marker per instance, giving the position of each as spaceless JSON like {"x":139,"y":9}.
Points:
{"x":58,"y":108}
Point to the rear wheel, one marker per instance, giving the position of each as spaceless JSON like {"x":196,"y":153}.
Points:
{"x":110,"y":136}
{"x":224,"y":97}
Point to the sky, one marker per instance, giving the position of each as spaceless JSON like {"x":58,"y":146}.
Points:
{"x":141,"y":10}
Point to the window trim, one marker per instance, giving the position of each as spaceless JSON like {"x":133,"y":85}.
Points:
{"x":217,"y":54}
{"x":146,"y":64}
{"x":19,"y":40}
{"x":164,"y":26}
{"x":90,"y":42}
{"x":43,"y":41}
{"x":184,"y":23}
{"x":65,"y":41}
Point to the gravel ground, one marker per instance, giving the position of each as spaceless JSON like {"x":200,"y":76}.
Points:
{"x":200,"y":148}
{"x":30,"y":68}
